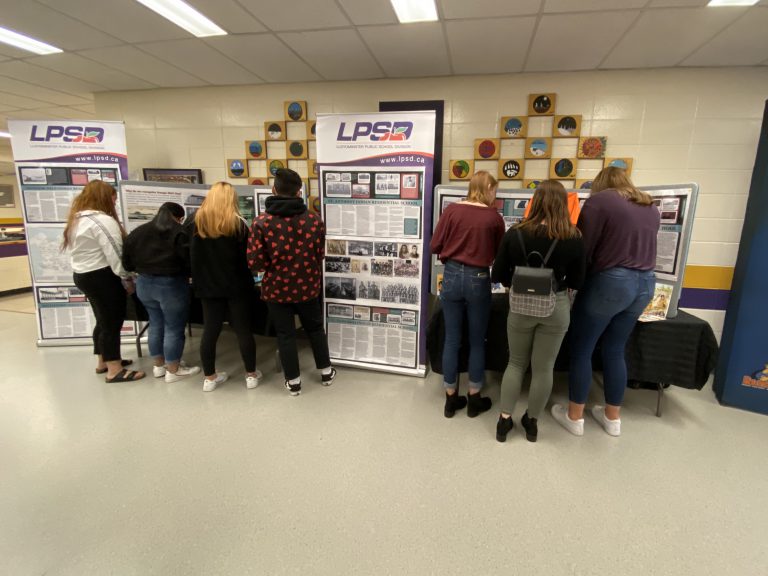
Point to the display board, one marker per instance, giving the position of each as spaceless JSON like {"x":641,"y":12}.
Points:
{"x":676,"y":203}
{"x":53,"y":161}
{"x":374,"y":170}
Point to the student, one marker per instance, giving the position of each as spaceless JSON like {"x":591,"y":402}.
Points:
{"x":222,"y":281}
{"x":159,"y":252}
{"x":466,"y":240}
{"x":94,"y":238}
{"x":536,"y":340}
{"x":619,"y":224}
{"x":288,"y":244}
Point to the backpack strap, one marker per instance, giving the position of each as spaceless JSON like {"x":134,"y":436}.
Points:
{"x":549,"y":252}
{"x":522,"y":243}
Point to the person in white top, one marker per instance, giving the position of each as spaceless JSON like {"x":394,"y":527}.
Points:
{"x":94,"y":238}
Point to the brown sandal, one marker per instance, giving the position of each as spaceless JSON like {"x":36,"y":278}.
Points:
{"x":125,"y":376}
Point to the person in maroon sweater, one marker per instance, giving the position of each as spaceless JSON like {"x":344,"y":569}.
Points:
{"x":619,"y":224}
{"x":288,"y":245}
{"x":466,"y":240}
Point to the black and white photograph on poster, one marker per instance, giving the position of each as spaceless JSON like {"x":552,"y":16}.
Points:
{"x":337,"y":264}
{"x":410,"y":186}
{"x":388,"y":249}
{"x":406,"y":269}
{"x":669,"y":208}
{"x":190,"y":212}
{"x":142,"y":213}
{"x":31,"y":175}
{"x":94,"y":174}
{"x":336,"y":247}
{"x":359,"y":266}
{"x":338,"y":189}
{"x":361,"y":191}
{"x":382,"y":267}
{"x":370,"y":290}
{"x":408,"y":317}
{"x":340,"y":311}
{"x":340,"y":288}
{"x":364,"y":178}
{"x":363,"y":313}
{"x":394,"y":318}
{"x":360,"y":248}
{"x":408,"y":251}
{"x":332,"y":177}
{"x":346,"y":177}
{"x":387,"y":184}
{"x":376,"y":316}
{"x":400,"y":293}
{"x":193,"y":199}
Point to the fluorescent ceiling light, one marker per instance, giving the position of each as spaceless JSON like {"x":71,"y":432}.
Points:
{"x":184,"y":16}
{"x":732,"y":2}
{"x":5,"y":134}
{"x":26,"y":43}
{"x":415,"y":10}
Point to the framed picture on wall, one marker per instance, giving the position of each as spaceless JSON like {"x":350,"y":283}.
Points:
{"x":623,"y":163}
{"x":487,"y":149}
{"x":513,"y":126}
{"x":6,"y":196}
{"x":311,"y":130}
{"x":297,"y":149}
{"x":237,"y":168}
{"x":461,"y":169}
{"x":275,"y":130}
{"x":295,"y":110}
{"x":562,"y":168}
{"x":176,"y":175}
{"x":541,"y":104}
{"x":511,"y":169}
{"x":568,"y":126}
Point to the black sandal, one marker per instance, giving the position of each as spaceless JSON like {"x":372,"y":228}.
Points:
{"x":124,"y":376}
{"x":123,"y":363}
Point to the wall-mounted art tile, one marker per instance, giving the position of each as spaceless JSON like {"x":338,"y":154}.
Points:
{"x":275,"y":130}
{"x":541,"y":104}
{"x":311,"y":133}
{"x":297,"y":149}
{"x":538,"y":147}
{"x":623,"y":163}
{"x":237,"y":167}
{"x":568,"y":126}
{"x":513,"y":126}
{"x":257,"y":181}
{"x":531,"y":184}
{"x":295,"y":110}
{"x":511,"y":169}
{"x":312,"y":169}
{"x":487,"y":148}
{"x":255,"y":149}
{"x":461,"y":169}
{"x":592,"y":147}
{"x":275,"y":165}
{"x":562,"y":168}
{"x":583,"y":184}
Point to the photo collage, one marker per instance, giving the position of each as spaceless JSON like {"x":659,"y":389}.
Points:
{"x":374,"y":185}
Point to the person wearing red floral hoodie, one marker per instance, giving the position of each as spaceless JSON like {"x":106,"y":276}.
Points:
{"x":287,"y":243}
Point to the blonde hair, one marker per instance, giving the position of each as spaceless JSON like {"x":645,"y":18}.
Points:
{"x":614,"y":178}
{"x":96,"y":195}
{"x":549,"y":206}
{"x":481,"y":187}
{"x":219,"y":214}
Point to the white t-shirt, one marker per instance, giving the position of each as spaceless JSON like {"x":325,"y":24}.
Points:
{"x":96,"y":242}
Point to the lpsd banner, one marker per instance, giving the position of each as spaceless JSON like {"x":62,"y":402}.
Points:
{"x":53,"y":161}
{"x":375,"y":174}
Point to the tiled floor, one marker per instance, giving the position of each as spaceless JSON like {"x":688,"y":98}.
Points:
{"x":364,"y":477}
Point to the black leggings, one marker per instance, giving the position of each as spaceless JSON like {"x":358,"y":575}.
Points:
{"x":106,"y":295}
{"x":238,"y":310}
{"x":311,"y":316}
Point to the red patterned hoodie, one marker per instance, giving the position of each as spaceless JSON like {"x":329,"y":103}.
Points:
{"x":288,"y":244}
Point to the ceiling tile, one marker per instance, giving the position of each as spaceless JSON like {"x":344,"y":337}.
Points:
{"x":17,"y":101}
{"x":229,"y":15}
{"x":202,"y":60}
{"x":415,"y":50}
{"x":143,"y":65}
{"x":53,"y":26}
{"x":591,"y":5}
{"x":743,"y":43}
{"x":676,"y":3}
{"x":25,"y":89}
{"x":266,"y":56}
{"x":500,"y":51}
{"x":454,"y":9}
{"x":296,"y":14}
{"x":664,"y":37}
{"x":335,"y":54}
{"x":576,"y":41}
{"x":77,"y":66}
{"x":22,"y":70}
{"x":363,"y":12}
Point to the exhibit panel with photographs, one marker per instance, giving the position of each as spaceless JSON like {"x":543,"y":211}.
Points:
{"x":374,"y":172}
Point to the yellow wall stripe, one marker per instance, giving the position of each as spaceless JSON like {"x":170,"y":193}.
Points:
{"x":708,"y":277}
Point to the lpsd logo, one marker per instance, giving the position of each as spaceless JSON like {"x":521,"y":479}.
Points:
{"x":375,"y":131}
{"x":74,"y":134}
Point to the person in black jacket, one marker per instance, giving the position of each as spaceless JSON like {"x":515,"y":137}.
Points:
{"x":159,"y":252}
{"x":222,"y":281}
{"x":536,"y":340}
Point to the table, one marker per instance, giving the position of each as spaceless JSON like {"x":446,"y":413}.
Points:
{"x":679,"y":351}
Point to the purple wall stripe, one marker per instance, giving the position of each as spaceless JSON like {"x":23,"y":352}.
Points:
{"x":704,"y":299}
{"x":10,"y":250}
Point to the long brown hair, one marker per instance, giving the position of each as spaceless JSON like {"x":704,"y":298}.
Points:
{"x":616,"y":178}
{"x":219,"y":214}
{"x":549,"y":206}
{"x":482,"y":188}
{"x":96,"y":195}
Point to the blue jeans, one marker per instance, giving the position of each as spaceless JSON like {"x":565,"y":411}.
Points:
{"x":465,"y":288}
{"x":609,"y":305}
{"x":166,"y":299}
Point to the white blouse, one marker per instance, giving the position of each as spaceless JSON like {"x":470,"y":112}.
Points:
{"x":96,"y":242}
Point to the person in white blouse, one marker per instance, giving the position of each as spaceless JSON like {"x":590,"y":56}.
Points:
{"x":94,"y":237}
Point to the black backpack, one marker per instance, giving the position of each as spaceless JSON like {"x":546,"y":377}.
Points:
{"x":533,"y":291}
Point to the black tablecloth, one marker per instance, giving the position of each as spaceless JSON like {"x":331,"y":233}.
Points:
{"x":681,"y":351}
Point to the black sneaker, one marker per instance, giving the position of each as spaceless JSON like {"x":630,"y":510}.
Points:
{"x":531,"y":426}
{"x":327,"y":379}
{"x":453,"y":402}
{"x":477,"y":404}
{"x":294,"y":389}
{"x":503,"y":426}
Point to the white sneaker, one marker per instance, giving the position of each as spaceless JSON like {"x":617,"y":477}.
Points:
{"x":210,"y":385}
{"x":181,"y":372}
{"x":560,"y":414}
{"x":158,"y":371}
{"x":612,"y":427}
{"x":252,"y":381}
